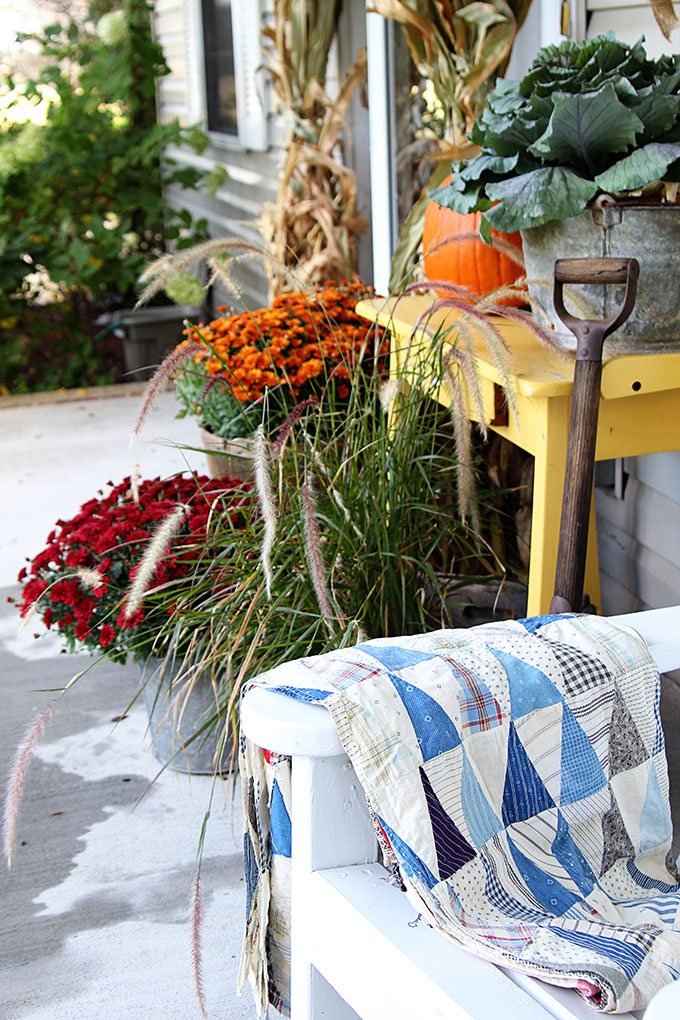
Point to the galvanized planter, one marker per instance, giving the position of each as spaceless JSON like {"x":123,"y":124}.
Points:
{"x":175,"y":718}
{"x":649,"y":233}
{"x":150,"y":333}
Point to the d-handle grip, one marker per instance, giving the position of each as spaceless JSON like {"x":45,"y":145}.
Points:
{"x":596,"y":270}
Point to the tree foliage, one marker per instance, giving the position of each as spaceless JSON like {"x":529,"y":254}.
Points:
{"x":81,"y":181}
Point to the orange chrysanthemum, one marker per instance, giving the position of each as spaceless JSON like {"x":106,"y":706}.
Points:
{"x":297,"y":339}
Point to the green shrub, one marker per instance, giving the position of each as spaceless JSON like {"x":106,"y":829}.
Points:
{"x":81,"y":194}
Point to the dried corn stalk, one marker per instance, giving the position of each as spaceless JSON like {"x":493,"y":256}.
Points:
{"x":461,"y":46}
{"x":314,"y":223}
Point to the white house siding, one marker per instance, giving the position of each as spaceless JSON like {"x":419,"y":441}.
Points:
{"x":253,"y":176}
{"x":639,"y":536}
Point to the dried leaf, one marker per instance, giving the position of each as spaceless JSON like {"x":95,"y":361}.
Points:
{"x":665,"y":15}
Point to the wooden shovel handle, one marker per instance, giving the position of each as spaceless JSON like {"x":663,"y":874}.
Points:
{"x":578,"y":487}
{"x":594,"y":270}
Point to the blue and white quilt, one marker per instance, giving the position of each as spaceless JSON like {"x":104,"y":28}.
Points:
{"x":518,"y":773}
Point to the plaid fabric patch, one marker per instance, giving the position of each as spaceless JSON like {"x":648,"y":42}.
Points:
{"x":580,"y":672}
{"x":506,"y":904}
{"x":478,"y":708}
{"x":338,"y":671}
{"x":341,"y":672}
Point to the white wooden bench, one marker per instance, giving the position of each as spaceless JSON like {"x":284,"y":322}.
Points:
{"x":358,"y":947}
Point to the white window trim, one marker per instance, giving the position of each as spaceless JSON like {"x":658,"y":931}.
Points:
{"x":250,"y":113}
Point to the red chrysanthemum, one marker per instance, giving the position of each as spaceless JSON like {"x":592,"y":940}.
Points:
{"x":106,"y":635}
{"x":80,"y":579}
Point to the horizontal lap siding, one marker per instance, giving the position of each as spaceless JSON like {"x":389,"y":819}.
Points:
{"x":253,"y":176}
{"x":639,"y":536}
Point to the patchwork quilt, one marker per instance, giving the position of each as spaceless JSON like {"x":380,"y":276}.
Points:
{"x":517,"y":773}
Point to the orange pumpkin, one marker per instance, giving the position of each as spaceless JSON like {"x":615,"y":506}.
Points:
{"x":467,"y":260}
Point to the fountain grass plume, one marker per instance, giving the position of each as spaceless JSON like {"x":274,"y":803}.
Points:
{"x":32,"y":610}
{"x":466,"y":489}
{"x":196,"y":922}
{"x":503,"y":246}
{"x":287,"y":427}
{"x":314,"y":557}
{"x":89,"y":577}
{"x":17,"y":781}
{"x":263,"y":486}
{"x":543,"y":334}
{"x":465,"y":358}
{"x":134,"y":483}
{"x":165,"y":370}
{"x":387,"y":392}
{"x":214,"y":380}
{"x":156,"y":275}
{"x":153,"y":554}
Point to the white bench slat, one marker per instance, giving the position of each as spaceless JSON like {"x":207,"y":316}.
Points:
{"x":385,"y":968}
{"x":661,"y":630}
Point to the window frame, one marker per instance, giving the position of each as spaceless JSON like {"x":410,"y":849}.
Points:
{"x":252,"y":122}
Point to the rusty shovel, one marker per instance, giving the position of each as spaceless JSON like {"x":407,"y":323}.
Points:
{"x":585,"y":405}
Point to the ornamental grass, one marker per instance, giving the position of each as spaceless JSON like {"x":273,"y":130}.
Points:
{"x":356,"y":535}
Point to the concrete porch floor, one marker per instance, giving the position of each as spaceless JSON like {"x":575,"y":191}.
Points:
{"x":95,"y":910}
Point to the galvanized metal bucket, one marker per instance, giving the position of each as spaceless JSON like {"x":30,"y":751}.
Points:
{"x":176,"y":721}
{"x":649,"y":233}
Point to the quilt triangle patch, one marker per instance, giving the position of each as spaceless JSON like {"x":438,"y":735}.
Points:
{"x":581,"y":772}
{"x":655,"y":820}
{"x":626,"y":749}
{"x":434,"y":729}
{"x":525,"y":793}
{"x":408,"y":859}
{"x":394,"y":658}
{"x":482,"y":821}
{"x":529,"y":687}
{"x":570,"y":857}
{"x":617,"y":842}
{"x":550,"y":893}
{"x":453,"y":850}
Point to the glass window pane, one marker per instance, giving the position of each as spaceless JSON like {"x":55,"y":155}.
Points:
{"x":218,"y":42}
{"x":419,"y":127}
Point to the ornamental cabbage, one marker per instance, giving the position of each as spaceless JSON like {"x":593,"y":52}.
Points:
{"x":589,"y":118}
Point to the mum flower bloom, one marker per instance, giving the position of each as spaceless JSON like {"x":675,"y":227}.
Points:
{"x":106,"y":635}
